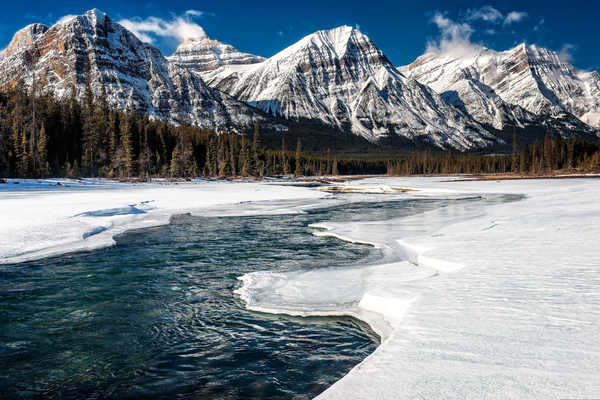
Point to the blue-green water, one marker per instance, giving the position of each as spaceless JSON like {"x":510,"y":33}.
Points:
{"x":155,"y":316}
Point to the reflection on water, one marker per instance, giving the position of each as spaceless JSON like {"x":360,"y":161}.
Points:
{"x":155,"y":316}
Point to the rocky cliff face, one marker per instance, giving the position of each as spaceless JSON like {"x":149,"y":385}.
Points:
{"x":91,"y":47}
{"x":521,"y":87}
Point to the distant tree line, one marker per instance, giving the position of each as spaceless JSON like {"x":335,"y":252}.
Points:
{"x":550,"y":154}
{"x":41,"y":136}
{"x":555,"y":153}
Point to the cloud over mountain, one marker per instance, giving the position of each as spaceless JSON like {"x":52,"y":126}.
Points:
{"x":179,"y":27}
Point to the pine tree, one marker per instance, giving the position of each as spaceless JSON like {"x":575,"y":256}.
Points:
{"x":285,"y":168}
{"x":515,"y":151}
{"x":5,"y":151}
{"x":25,"y":156}
{"x":103,"y":130}
{"x":211,"y":157}
{"x":16,"y":145}
{"x":299,"y":168}
{"x":223,"y":157}
{"x":571,"y":152}
{"x":524,"y":157}
{"x":42,"y":152}
{"x":256,"y":152}
{"x":244,"y":157}
{"x":334,"y":168}
{"x":113,"y":133}
{"x":91,"y":136}
{"x":548,"y":152}
{"x":125,"y":159}
{"x":33,"y":137}
{"x":183,"y":162}
{"x":145,"y":158}
{"x":233,"y":156}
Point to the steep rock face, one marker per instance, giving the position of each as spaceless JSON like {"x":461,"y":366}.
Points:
{"x":135,"y":75}
{"x":340,"y":78}
{"x":23,"y":38}
{"x":520,"y":87}
{"x":204,"y":54}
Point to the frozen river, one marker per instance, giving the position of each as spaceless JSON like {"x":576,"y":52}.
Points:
{"x":477,"y":289}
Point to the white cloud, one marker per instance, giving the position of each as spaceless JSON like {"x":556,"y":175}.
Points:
{"x":65,"y":18}
{"x":540,"y":24}
{"x":566,"y":52}
{"x":514,"y":16}
{"x":179,"y":27}
{"x":455,"y":37}
{"x":493,"y":15}
{"x":485,"y":13}
{"x":194,"y":13}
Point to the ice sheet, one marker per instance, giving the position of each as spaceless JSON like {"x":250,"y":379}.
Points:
{"x":494,"y":301}
{"x":40,"y":218}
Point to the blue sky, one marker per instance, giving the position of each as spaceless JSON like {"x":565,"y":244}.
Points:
{"x":402,"y":31}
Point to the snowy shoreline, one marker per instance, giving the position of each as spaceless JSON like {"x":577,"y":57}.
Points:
{"x":42,"y":219}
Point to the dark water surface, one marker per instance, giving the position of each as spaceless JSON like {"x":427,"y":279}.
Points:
{"x":155,"y":316}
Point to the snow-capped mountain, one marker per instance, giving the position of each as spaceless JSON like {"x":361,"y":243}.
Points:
{"x":523,"y":86}
{"x":334,"y":78}
{"x":205,"y":54}
{"x":339,"y":77}
{"x":136,"y":75}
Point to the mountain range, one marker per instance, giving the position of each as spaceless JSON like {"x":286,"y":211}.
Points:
{"x":334,"y":81}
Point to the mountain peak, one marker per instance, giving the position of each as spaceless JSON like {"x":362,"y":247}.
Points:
{"x":24,"y":37}
{"x":205,"y":54}
{"x":521,"y":47}
{"x":95,"y":15}
{"x":191,"y":43}
{"x":96,"y":12}
{"x":340,"y":36}
{"x":338,"y":30}
{"x":91,"y":49}
{"x":515,"y":86}
{"x":341,"y":79}
{"x":337,"y":41}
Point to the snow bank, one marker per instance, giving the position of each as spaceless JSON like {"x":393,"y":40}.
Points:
{"x":51,"y":217}
{"x":473,"y":300}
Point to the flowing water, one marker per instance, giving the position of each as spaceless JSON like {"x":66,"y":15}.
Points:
{"x":155,"y":316}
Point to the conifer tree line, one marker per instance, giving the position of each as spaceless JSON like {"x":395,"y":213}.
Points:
{"x":555,"y":153}
{"x":550,"y":154}
{"x":41,"y":136}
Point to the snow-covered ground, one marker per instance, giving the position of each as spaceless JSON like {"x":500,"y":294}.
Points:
{"x":41,"y":218}
{"x":481,"y":299}
{"x":496,"y":301}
